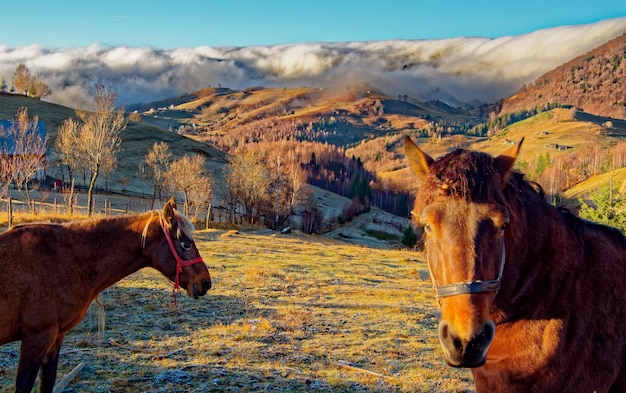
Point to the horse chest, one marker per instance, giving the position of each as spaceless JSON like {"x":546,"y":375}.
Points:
{"x":520,"y":354}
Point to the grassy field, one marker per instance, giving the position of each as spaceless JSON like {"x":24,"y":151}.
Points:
{"x":287,"y":313}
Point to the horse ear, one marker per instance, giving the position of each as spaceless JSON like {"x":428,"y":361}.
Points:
{"x":168,"y":209}
{"x":419,"y":161}
{"x":505,"y":161}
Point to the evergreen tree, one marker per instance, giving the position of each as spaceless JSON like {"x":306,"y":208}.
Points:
{"x":609,"y":207}
{"x":360,"y":188}
{"x":409,"y":237}
{"x":543,"y":162}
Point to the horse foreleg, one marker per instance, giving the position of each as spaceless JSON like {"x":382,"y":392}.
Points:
{"x":26,"y":375}
{"x":33,"y":352}
{"x":48,"y":372}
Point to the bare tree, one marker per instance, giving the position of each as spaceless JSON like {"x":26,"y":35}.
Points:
{"x":297,"y":177}
{"x":280,"y":189}
{"x":40,"y":90}
{"x":247,"y":180}
{"x":96,"y":138}
{"x":21,"y":79}
{"x":312,"y":216}
{"x":187,"y":176}
{"x":65,"y":145}
{"x":286,"y":187}
{"x":157,"y":161}
{"x":24,"y":152}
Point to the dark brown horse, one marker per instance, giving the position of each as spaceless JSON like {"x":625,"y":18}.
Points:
{"x":532,"y":298}
{"x":51,"y":273}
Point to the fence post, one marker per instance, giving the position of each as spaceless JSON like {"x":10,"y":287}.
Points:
{"x":72,"y":198}
{"x":208,"y":216}
{"x":10,"y":212}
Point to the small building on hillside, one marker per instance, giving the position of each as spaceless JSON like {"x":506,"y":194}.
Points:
{"x":8,"y":147}
{"x":556,"y":146}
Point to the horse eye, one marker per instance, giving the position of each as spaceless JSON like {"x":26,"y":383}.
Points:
{"x":185,"y":245}
{"x":504,"y":226}
{"x":428,"y":228}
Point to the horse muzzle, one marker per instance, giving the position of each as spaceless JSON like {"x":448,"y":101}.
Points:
{"x":199,"y":290}
{"x":466,"y":352}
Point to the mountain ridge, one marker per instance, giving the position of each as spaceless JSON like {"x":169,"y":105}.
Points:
{"x":594,"y":82}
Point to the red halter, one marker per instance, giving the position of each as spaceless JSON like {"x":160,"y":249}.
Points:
{"x":180,"y":263}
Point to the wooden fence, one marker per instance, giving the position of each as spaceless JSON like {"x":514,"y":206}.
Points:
{"x":106,"y":207}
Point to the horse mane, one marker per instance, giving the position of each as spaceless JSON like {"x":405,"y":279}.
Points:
{"x":462,"y":174}
{"x":582,"y":228}
{"x":522,"y":184}
{"x":185,"y":225}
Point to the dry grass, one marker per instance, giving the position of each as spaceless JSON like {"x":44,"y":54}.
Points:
{"x":284,"y":312}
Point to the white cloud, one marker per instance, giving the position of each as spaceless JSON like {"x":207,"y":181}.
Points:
{"x":458,"y":70}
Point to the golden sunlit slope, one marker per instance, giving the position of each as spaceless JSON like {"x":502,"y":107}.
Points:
{"x":546,"y":130}
{"x":584,"y":188}
{"x":350,"y":114}
{"x":541,"y":134}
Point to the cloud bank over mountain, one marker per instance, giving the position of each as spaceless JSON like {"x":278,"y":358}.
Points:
{"x":458,"y":71}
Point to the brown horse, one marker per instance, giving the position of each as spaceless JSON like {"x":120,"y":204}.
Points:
{"x":532,"y":298}
{"x":51,"y":273}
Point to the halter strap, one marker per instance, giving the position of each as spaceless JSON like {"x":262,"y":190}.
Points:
{"x":472,"y":287}
{"x":180,"y":263}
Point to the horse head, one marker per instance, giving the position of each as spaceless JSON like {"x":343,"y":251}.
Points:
{"x":189,"y":271}
{"x":461,"y":206}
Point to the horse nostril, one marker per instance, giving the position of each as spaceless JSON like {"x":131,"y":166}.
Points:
{"x":489,"y":331}
{"x":206,"y":284}
{"x":443,"y":331}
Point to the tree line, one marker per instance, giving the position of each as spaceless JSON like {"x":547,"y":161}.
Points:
{"x":326,"y":165}
{"x":25,"y":83}
{"x":261,"y":185}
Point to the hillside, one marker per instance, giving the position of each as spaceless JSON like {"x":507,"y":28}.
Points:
{"x":584,"y":188}
{"x":587,"y":143}
{"x":594,"y":83}
{"x":137,"y":140}
{"x":340,"y":117}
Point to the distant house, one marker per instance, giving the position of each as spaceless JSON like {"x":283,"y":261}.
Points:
{"x":556,"y":146}
{"x":8,"y":146}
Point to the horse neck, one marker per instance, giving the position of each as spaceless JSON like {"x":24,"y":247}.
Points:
{"x":537,"y":247}
{"x":118,"y":249}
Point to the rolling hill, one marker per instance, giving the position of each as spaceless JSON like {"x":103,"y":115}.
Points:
{"x":542,"y":135}
{"x":594,"y":82}
{"x":338,"y":116}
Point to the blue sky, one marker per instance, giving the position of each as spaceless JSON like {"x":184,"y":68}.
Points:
{"x":181,"y":23}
